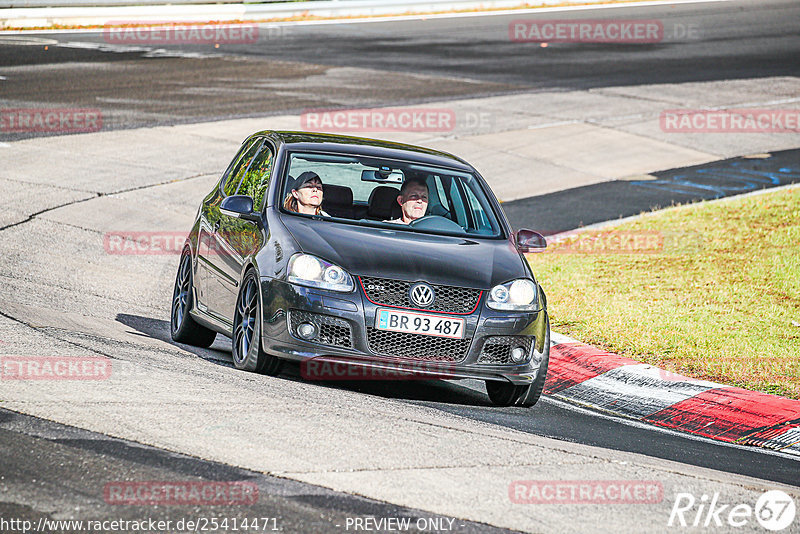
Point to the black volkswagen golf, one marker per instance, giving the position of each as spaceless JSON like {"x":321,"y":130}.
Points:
{"x":370,"y":254}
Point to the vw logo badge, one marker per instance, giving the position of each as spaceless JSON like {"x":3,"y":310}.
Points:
{"x":421,"y":295}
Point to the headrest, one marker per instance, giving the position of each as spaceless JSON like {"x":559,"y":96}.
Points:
{"x":338,"y":195}
{"x":382,"y":202}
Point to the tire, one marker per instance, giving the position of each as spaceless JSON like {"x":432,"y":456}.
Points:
{"x":246,"y":347}
{"x":504,"y":393}
{"x":507,"y":394}
{"x":183,"y":328}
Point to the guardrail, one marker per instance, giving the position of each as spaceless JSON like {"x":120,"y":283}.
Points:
{"x":183,"y":11}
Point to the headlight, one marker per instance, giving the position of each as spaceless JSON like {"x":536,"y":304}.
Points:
{"x":308,"y":270}
{"x":519,"y":295}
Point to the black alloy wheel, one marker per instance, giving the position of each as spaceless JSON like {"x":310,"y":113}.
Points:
{"x":183,"y":328}
{"x":247,"y":352}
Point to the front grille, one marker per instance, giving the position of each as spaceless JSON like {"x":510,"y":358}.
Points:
{"x":332,"y":330}
{"x":497,"y":349}
{"x":417,"y":346}
{"x":449,"y":299}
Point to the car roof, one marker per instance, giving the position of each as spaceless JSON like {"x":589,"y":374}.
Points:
{"x":344,"y":144}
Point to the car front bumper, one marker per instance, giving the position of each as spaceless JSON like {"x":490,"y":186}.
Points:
{"x":347,"y":348}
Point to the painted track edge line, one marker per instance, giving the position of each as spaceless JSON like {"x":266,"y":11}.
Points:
{"x":598,"y":380}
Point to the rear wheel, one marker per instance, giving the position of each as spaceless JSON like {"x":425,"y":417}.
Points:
{"x":183,"y":328}
{"x":247,"y":352}
{"x":507,"y":394}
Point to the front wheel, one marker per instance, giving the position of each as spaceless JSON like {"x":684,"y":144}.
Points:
{"x":247,"y":352}
{"x":507,"y":394}
{"x":183,"y":328}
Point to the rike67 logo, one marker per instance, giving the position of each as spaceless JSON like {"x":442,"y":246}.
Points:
{"x":774,"y":510}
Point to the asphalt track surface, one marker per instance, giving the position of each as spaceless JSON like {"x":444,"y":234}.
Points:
{"x":292,"y":68}
{"x":73,"y":464}
{"x":391,"y":63}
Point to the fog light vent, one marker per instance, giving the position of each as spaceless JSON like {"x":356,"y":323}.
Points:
{"x":319,"y":328}
{"x":506,"y":349}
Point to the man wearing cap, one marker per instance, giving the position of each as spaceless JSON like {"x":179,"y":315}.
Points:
{"x":305,"y":195}
{"x":413,"y":200}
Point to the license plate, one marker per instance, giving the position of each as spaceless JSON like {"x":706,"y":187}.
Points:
{"x":419,"y":323}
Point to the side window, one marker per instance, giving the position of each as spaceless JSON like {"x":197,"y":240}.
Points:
{"x":458,"y":209}
{"x":440,"y":192}
{"x":256,"y":179}
{"x":479,"y":215}
{"x":239,"y":169}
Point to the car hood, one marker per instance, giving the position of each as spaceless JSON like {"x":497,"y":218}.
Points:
{"x":404,"y":255}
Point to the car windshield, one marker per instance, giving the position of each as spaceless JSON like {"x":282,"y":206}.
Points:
{"x":364,"y":190}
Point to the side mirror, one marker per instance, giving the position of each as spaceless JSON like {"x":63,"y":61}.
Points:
{"x":239,"y":206}
{"x":530,"y":241}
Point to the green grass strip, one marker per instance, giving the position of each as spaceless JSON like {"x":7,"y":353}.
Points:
{"x":708,"y":290}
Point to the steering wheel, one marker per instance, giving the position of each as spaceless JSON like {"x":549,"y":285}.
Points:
{"x":437,"y":223}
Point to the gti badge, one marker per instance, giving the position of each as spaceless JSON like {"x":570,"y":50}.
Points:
{"x":421,"y":294}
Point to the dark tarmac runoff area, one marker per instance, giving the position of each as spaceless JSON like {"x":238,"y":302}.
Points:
{"x":582,"y":206}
